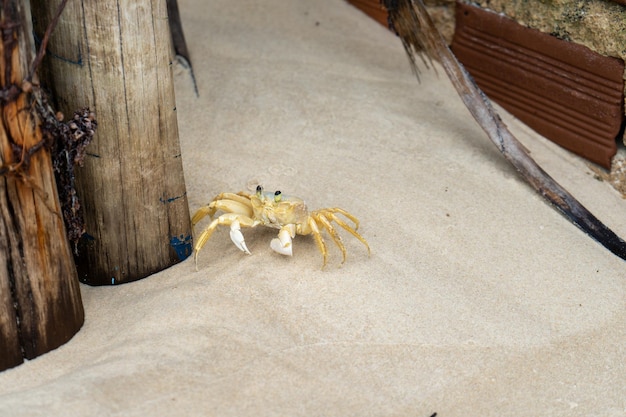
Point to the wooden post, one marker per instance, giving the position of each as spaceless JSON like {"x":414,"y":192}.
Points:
{"x":115,"y":57}
{"x":40,"y":303}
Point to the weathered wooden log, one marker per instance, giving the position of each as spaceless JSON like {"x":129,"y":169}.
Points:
{"x":115,"y":57}
{"x":40,"y":303}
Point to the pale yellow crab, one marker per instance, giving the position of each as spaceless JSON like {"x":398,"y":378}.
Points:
{"x":289,"y":214}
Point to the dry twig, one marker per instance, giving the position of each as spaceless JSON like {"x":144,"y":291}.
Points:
{"x":413,"y":25}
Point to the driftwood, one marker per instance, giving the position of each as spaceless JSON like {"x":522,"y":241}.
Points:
{"x":115,"y":58}
{"x":413,"y":25}
{"x":40,"y":303}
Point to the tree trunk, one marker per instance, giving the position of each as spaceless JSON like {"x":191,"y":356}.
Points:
{"x":40,"y":303}
{"x":115,"y":57}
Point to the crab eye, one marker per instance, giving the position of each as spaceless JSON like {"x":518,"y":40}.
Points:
{"x":259,"y":190}
{"x":277,"y":196}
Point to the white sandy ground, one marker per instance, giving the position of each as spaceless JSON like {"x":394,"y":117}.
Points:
{"x":478,"y":298}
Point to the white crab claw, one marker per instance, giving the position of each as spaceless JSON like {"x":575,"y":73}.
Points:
{"x":237,"y":237}
{"x":282,"y":243}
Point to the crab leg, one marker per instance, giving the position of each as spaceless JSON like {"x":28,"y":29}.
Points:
{"x":341,"y":211}
{"x":235,"y":221}
{"x":350,"y":230}
{"x":234,"y":204}
{"x":332,"y":232}
{"x":319,"y":241}
{"x":200,"y":214}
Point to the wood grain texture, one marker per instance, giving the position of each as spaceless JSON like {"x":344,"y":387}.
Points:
{"x":115,"y":57}
{"x":40,"y":302}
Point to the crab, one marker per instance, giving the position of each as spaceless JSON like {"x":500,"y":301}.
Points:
{"x":273,"y":209}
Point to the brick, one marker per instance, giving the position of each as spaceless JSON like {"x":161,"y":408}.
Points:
{"x":564,"y":91}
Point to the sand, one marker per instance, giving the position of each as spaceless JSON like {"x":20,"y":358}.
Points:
{"x":478,"y":297}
